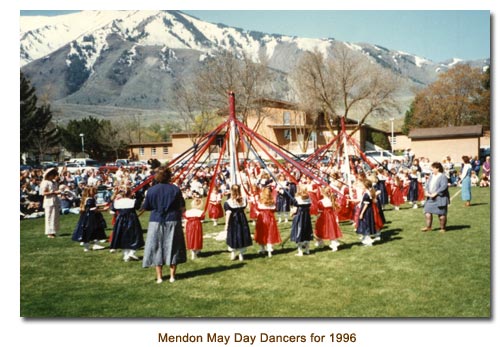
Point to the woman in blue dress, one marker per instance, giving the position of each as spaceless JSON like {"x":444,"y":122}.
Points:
{"x":302,"y":231}
{"x":437,"y":197}
{"x":165,"y":244}
{"x":465,"y":180}
{"x":237,"y":229}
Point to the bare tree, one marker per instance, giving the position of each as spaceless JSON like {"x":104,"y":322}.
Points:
{"x":199,"y":101}
{"x":343,"y":84}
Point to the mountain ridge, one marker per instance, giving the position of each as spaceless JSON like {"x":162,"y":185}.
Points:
{"x":132,"y":59}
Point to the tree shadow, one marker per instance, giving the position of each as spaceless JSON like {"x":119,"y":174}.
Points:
{"x":208,"y":271}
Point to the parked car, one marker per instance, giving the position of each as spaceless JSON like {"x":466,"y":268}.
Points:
{"x":377,"y":157}
{"x":483,"y":153}
{"x":74,"y":167}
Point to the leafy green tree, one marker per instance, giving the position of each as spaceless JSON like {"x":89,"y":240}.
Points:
{"x":92,"y":130}
{"x":408,"y":119}
{"x":457,"y":98}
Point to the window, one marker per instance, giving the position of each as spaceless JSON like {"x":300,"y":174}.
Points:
{"x":153,"y":150}
{"x":141,"y":150}
{"x":287,"y":134}
{"x":286,"y":118}
{"x":165,"y":150}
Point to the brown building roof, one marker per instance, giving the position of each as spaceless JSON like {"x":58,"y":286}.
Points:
{"x":150,"y":144}
{"x":447,"y":132}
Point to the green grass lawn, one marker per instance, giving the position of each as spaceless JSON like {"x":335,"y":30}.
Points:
{"x":407,"y":274}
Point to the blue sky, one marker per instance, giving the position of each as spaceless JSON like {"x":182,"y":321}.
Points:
{"x":436,"y":35}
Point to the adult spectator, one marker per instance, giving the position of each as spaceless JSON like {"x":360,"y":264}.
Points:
{"x":165,"y":243}
{"x":51,"y":204}
{"x":437,"y":198}
{"x":476,"y":165}
{"x":487,"y":167}
{"x":465,"y":180}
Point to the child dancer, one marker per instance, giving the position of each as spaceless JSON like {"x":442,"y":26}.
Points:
{"x":301,"y":232}
{"x":283,"y":198}
{"x":413,"y":190}
{"x":327,"y":225}
{"x":266,"y":228}
{"x":194,"y":228}
{"x":252,"y":203}
{"x":215,"y":210}
{"x":91,"y":224}
{"x":127,"y":230}
{"x":238,"y":232}
{"x":366,"y":221}
{"x":397,"y":198}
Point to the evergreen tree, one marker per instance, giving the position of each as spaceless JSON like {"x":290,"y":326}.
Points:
{"x":27,"y":113}
{"x":45,"y":134}
{"x":37,"y":131}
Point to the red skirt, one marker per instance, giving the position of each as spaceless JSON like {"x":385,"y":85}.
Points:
{"x":379,"y":223}
{"x":266,"y":228}
{"x":215,"y":211}
{"x":253,"y":211}
{"x":327,"y":227}
{"x":397,"y":197}
{"x":194,"y":233}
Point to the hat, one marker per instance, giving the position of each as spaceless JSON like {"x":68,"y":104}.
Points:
{"x":48,"y":171}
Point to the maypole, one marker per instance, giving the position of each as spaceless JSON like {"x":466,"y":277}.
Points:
{"x":347,"y":166}
{"x":233,"y":160}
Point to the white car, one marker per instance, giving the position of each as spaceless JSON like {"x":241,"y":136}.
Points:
{"x":377,"y":157}
{"x":74,"y":167}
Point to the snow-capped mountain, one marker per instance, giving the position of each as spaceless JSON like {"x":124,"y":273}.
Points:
{"x":132,"y":58}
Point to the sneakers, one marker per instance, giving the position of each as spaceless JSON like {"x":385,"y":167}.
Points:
{"x":97,"y":247}
{"x":172,"y":279}
{"x":240,"y":257}
{"x":233,"y":256}
{"x":415,"y":206}
{"x":159,"y":280}
{"x":367,"y":241}
{"x":133,"y":256}
{"x":112,"y":250}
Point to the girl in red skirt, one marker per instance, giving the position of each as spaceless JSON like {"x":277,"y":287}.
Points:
{"x":397,"y":197}
{"x":215,"y":210}
{"x":194,"y":228}
{"x":327,"y":224}
{"x":266,"y":228}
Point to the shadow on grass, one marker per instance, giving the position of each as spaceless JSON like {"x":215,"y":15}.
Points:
{"x":204,"y":254}
{"x":457,"y":227}
{"x":478,"y":204}
{"x":209,"y":270}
